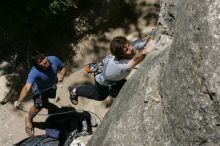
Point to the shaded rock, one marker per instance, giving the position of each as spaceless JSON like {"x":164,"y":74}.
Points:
{"x":190,"y":81}
{"x":8,"y":85}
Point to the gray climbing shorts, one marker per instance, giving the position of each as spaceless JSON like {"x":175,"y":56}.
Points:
{"x":41,"y":100}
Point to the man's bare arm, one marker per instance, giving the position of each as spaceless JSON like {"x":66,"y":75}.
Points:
{"x":140,"y":56}
{"x":24,"y":91}
{"x":61,"y":73}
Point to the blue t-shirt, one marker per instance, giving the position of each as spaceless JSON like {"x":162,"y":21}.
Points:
{"x":44,"y":79}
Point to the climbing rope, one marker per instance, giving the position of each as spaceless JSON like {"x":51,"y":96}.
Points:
{"x":61,"y":113}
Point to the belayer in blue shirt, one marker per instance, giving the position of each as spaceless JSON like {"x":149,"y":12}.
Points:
{"x":42,"y":79}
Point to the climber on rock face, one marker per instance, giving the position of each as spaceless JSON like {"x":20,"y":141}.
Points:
{"x":110,"y":75}
{"x":45,"y":73}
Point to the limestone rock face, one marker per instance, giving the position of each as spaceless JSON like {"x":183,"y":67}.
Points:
{"x":190,"y":81}
{"x":174,"y":97}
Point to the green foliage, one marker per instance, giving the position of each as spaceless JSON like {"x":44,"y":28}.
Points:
{"x":28,"y":25}
{"x":23,"y":19}
{"x":62,"y":5}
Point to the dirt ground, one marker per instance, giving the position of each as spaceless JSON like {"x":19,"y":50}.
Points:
{"x":12,"y":120}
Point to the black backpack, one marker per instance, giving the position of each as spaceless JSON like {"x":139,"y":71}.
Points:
{"x":39,"y":140}
{"x":69,"y":126}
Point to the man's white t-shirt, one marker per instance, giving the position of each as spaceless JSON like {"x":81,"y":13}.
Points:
{"x":116,"y":70}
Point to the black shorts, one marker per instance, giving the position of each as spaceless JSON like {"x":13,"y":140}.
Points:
{"x":41,"y":100}
{"x":115,"y":88}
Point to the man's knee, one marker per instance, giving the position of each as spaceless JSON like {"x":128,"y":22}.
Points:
{"x":101,"y":97}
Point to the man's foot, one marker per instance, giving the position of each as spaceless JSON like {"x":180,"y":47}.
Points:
{"x":73,"y":97}
{"x":29,"y":127}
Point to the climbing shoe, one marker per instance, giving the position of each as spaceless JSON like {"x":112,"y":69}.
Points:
{"x":73,"y":97}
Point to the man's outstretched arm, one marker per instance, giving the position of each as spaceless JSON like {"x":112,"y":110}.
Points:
{"x":140,"y":56}
{"x":24,"y":92}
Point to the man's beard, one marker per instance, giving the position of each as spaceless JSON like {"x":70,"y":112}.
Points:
{"x":129,"y":56}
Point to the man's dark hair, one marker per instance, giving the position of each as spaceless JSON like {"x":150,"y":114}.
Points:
{"x":35,"y":57}
{"x":117,"y":45}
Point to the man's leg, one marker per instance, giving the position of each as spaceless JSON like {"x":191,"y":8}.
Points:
{"x":29,"y":120}
{"x":32,"y":113}
{"x":52,"y":108}
{"x":115,"y":89}
{"x":96,"y":92}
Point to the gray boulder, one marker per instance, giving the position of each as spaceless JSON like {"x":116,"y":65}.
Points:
{"x":173,"y":99}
